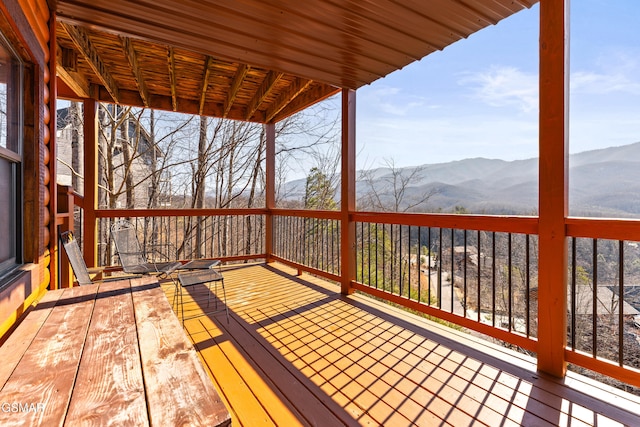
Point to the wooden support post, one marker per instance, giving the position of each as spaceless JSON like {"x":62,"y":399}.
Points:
{"x":90,"y":181}
{"x":65,"y":222}
{"x":53,"y":156}
{"x":553,"y":195}
{"x":270,"y":187}
{"x":348,"y":191}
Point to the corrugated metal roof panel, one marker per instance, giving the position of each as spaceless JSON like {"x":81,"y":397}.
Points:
{"x":339,"y":43}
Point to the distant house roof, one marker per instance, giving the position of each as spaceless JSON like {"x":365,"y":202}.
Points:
{"x":607,"y":302}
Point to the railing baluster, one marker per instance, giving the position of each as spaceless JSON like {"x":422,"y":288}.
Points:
{"x":479,"y":277}
{"x":573,"y":292}
{"x":439,"y":294}
{"x":369,"y":252}
{"x":429,"y":264}
{"x":594,"y":320}
{"x":419,"y":263}
{"x":493,"y":279}
{"x":620,"y":302}
{"x":452,"y":276}
{"x":377,"y":249}
{"x":527,"y":286}
{"x":384,"y":257}
{"x":363,"y":253}
{"x":464,"y":275}
{"x":510,"y":284}
{"x":409,"y":264}
{"x":401,"y":263}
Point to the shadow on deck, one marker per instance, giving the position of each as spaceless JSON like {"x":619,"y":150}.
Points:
{"x":296,"y":352}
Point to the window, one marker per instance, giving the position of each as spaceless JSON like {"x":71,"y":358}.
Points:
{"x":11,"y":122}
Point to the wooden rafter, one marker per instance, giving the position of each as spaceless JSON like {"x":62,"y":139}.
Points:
{"x":267,"y":85}
{"x":238,"y":78}
{"x":297,"y":87}
{"x":205,"y":83}
{"x":81,"y":39}
{"x":172,"y":76}
{"x":132,"y":57}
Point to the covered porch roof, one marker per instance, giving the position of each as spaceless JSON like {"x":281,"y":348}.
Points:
{"x":252,"y":60}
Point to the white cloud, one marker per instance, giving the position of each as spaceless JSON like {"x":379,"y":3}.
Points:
{"x":504,"y":87}
{"x":598,"y":83}
{"x":391,"y":100}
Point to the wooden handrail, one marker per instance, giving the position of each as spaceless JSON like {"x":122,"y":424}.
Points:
{"x":307,"y":213}
{"x":604,"y":228}
{"x":503,"y":224}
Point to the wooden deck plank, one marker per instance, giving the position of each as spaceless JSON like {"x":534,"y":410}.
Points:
{"x":266,"y":393}
{"x":250,"y":356}
{"x":109,"y":389}
{"x":167,"y":356}
{"x":539,"y":401}
{"x":411,"y":406}
{"x":352,"y":411}
{"x":14,"y":347}
{"x":383,"y":366}
{"x":243,"y":403}
{"x":55,"y":354}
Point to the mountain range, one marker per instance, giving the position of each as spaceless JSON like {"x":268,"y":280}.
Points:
{"x":602,"y":183}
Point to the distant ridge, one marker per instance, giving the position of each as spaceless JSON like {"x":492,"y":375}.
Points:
{"x":602,"y":183}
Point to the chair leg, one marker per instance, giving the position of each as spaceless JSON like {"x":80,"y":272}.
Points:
{"x":174,"y":301}
{"x":182,"y":306}
{"x":224,"y":296}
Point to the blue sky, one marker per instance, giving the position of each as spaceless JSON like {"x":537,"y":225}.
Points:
{"x":479,"y":96}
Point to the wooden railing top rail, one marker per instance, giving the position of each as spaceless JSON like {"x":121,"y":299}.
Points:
{"x":599,"y":228}
{"x":604,"y":228}
{"x":506,"y":224}
{"x":307,"y":213}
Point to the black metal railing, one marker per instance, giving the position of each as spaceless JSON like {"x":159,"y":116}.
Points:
{"x":604,"y":299}
{"x":230,"y":237}
{"x":485,"y":276}
{"x":308,"y":241}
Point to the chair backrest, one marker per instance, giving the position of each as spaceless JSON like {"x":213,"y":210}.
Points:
{"x":127,"y":245}
{"x":70,"y":245}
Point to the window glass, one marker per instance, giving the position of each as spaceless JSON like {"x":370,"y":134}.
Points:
{"x":11,"y":94}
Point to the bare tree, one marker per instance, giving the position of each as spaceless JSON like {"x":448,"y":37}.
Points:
{"x":390,"y":192}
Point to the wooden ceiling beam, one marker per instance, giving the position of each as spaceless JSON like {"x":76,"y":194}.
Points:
{"x":75,"y":81}
{"x":267,"y":85}
{"x":238,"y":78}
{"x":312,"y":96}
{"x":132,"y":57}
{"x":297,"y":87}
{"x":205,"y":83}
{"x":65,"y":92}
{"x":187,"y":106}
{"x":172,"y":77}
{"x":81,"y":39}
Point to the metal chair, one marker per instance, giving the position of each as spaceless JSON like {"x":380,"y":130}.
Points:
{"x":80,"y":270}
{"x":130,"y":252}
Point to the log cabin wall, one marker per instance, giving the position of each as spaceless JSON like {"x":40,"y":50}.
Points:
{"x":25,"y":26}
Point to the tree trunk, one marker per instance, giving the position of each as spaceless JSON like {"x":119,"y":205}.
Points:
{"x":74,"y":115}
{"x":200,"y":184}
{"x":126,"y":160}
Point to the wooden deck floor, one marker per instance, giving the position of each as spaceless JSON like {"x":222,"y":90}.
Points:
{"x":297,"y":353}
